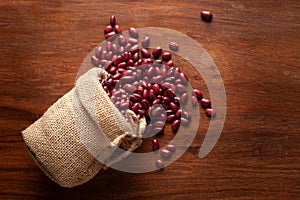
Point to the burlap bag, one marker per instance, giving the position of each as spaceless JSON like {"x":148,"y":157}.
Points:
{"x":82,"y":128}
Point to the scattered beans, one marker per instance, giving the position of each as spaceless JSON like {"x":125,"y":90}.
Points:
{"x":206,"y":103}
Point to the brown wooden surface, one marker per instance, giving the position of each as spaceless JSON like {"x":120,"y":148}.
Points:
{"x":255,"y":45}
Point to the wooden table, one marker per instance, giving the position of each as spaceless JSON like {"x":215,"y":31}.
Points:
{"x":255,"y":45}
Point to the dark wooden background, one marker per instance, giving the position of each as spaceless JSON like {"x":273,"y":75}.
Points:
{"x":255,"y":45}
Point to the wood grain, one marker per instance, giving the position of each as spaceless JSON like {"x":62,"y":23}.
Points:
{"x":255,"y":45}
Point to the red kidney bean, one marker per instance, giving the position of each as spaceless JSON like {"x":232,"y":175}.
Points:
{"x":145,"y":42}
{"x":181,"y":88}
{"x":139,"y":97}
{"x":95,"y":61}
{"x":112,"y":70}
{"x":115,"y":49}
{"x":117,"y":76}
{"x":183,"y":77}
{"x":127,"y":47}
{"x":108,"y":29}
{"x":175,"y":125}
{"x":155,"y":88}
{"x":169,"y":63}
{"x":156,"y":52}
{"x":184,"y":122}
{"x":117,"y":29}
{"x":165,"y":153}
{"x":157,"y":79}
{"x":174,"y":107}
{"x":124,"y":105}
{"x":206,"y":103}
{"x":206,"y":16}
{"x":145,"y":94}
{"x":159,"y":124}
{"x":134,"y":49}
{"x":170,"y":93}
{"x":122,"y":40}
{"x":173,"y":46}
{"x":122,"y":65}
{"x":177,"y":69}
{"x":145,"y":104}
{"x":98,"y":52}
{"x":155,"y":144}
{"x":108,"y":46}
{"x":171,"y":147}
{"x":198,"y":94}
{"x":210,"y":112}
{"x":129,"y":88}
{"x":121,"y":49}
{"x":166,"y":56}
{"x":169,"y":112}
{"x":145,"y":53}
{"x":194,"y":101}
{"x":110,"y":36}
{"x":135,"y":108}
{"x":112,"y":20}
{"x":156,"y":101}
{"x":133,"y":41}
{"x":118,"y":60}
{"x":184,"y":98}
{"x":103,"y":62}
{"x":133,"y":32}
{"x":160,"y":163}
{"x":141,"y":112}
{"x":170,"y":118}
{"x":159,"y":61}
{"x":178,"y":114}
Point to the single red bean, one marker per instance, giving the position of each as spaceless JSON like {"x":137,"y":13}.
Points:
{"x":117,"y":29}
{"x":174,"y":107}
{"x":122,"y":65}
{"x":198,"y":94}
{"x":145,"y":94}
{"x":124,"y":105}
{"x":184,"y":98}
{"x":177,"y":69}
{"x":134,"y":49}
{"x":186,"y":115}
{"x":159,"y":61}
{"x":169,"y":112}
{"x":95,"y":61}
{"x":160,"y":164}
{"x":98,"y":52}
{"x":178,"y":114}
{"x":194,"y":101}
{"x":112,"y":20}
{"x":138,"y":96}
{"x":210,"y":112}
{"x":155,"y":144}
{"x":155,"y":88}
{"x":145,"y":104}
{"x":159,"y":124}
{"x":184,"y":121}
{"x":156,"y":52}
{"x":156,"y":101}
{"x":183,"y":77}
{"x":170,"y":93}
{"x":133,"y":32}
{"x":112,"y":70}
{"x":115,"y":49}
{"x":175,"y":125}
{"x":206,"y":16}
{"x":118,"y":60}
{"x":169,"y":63}
{"x":166,"y":56}
{"x":127,"y":47}
{"x":171,"y":147}
{"x":157,"y":79}
{"x":129,"y":88}
{"x":145,"y":53}
{"x":121,"y":50}
{"x":173,"y":46}
{"x":135,"y":108}
{"x":206,"y":103}
{"x":133,"y":41}
{"x":110,"y":36}
{"x":108,"y":29}
{"x":165,"y":153}
{"x":145,"y":42}
{"x":181,"y":88}
{"x":170,"y":118}
{"x":122,"y":40}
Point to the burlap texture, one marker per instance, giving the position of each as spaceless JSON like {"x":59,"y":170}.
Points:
{"x":66,"y":141}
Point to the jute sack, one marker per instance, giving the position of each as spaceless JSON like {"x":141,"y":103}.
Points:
{"x":81,"y":129}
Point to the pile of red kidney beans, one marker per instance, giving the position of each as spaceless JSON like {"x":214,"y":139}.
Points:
{"x":147,"y":82}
